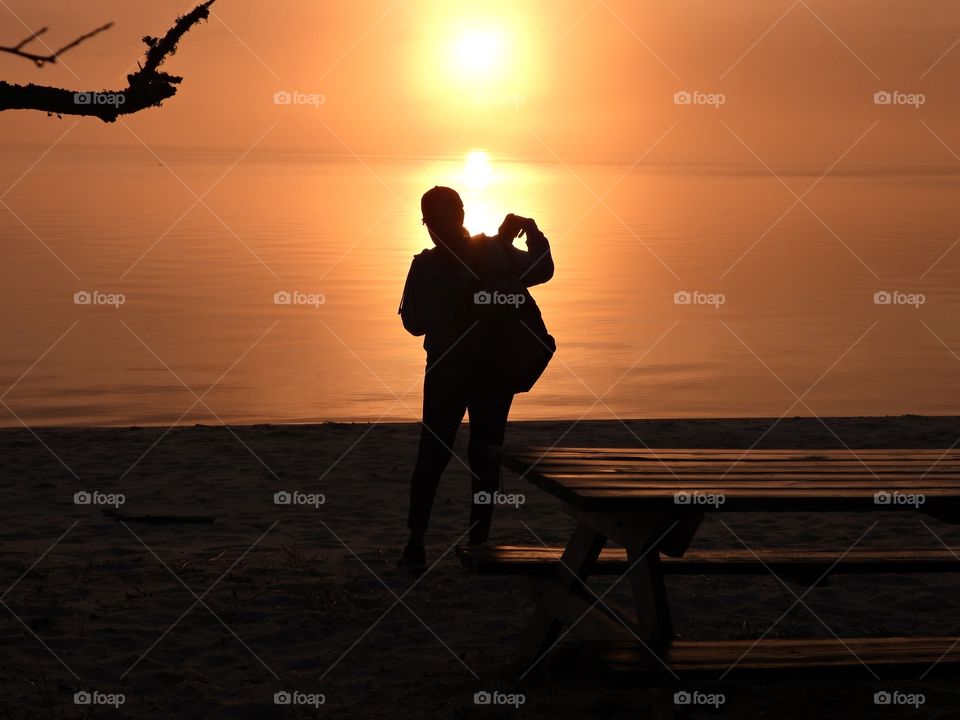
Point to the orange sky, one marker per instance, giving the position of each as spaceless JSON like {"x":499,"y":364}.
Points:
{"x":570,"y":79}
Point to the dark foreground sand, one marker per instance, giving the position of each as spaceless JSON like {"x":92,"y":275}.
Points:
{"x":297,"y":598}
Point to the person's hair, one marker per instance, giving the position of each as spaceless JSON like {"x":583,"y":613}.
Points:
{"x":439,"y":204}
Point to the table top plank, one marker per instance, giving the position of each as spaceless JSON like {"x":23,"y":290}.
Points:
{"x":726,"y":471}
{"x":754,"y":452}
{"x":634,"y":465}
{"x":758,"y":481}
{"x":615,"y":478}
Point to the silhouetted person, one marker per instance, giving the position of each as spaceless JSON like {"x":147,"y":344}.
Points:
{"x":440,"y":301}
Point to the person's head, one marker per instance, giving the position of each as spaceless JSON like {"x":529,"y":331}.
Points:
{"x":442,"y":212}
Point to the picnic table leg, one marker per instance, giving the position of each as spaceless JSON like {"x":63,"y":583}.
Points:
{"x":650,"y":596}
{"x":676,"y":542}
{"x":637,"y":531}
{"x":662,"y":706}
{"x":542,"y":631}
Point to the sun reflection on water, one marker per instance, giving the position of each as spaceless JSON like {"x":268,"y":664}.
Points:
{"x":490,"y":186}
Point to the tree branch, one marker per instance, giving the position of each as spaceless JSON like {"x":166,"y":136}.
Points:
{"x":41,"y":60}
{"x":148,"y":87}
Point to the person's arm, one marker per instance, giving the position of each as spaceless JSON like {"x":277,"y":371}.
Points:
{"x":535,"y":265}
{"x":412,"y":310}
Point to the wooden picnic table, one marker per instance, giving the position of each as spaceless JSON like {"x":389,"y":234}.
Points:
{"x":652,"y":501}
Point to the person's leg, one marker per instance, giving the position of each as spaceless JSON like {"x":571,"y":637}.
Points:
{"x":488,"y":423}
{"x":443,"y":409}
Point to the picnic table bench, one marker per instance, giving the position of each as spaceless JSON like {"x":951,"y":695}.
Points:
{"x":651,"y":503}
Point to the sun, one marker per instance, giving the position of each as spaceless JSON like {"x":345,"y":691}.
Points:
{"x":479,"y":55}
{"x":484,"y":54}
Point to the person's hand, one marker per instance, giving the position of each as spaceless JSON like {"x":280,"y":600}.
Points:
{"x":510,"y":228}
{"x":513,"y":226}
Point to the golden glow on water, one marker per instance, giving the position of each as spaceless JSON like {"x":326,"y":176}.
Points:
{"x":477,"y":173}
{"x":484,"y":205}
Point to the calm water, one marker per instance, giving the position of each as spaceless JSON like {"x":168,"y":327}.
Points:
{"x":199,"y":284}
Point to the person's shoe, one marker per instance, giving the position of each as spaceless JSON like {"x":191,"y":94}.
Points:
{"x":413,"y":559}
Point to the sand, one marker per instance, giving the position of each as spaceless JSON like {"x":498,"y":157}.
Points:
{"x":303,"y":598}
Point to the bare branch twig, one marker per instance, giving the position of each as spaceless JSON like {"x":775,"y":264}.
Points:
{"x":148,"y":87}
{"x":51,"y":57}
{"x":37,"y":34}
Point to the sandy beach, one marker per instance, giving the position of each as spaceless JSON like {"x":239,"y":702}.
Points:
{"x":211,"y":618}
